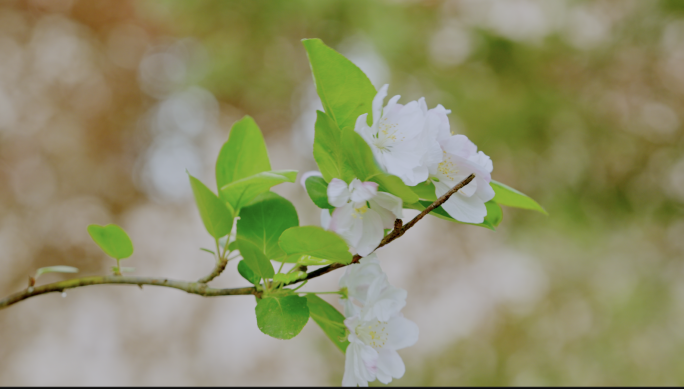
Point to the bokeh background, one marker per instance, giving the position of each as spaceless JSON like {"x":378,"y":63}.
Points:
{"x":105,"y":104}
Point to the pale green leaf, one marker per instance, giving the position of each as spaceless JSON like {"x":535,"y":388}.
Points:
{"x":329,"y":319}
{"x":316,"y":242}
{"x":216,"y":215}
{"x":317,"y":189}
{"x":264,"y":219}
{"x":282,"y":317}
{"x":55,"y":269}
{"x":328,"y":150}
{"x":247,"y":273}
{"x":491,"y":221}
{"x":255,"y":259}
{"x":289,"y":277}
{"x":345,"y":91}
{"x":112,"y":239}
{"x":505,"y":195}
{"x":239,"y":193}
{"x":243,"y":155}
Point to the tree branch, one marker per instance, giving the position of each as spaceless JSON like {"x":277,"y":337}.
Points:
{"x":398,"y":230}
{"x":200,"y":288}
{"x":218,"y":269}
{"x":189,"y":287}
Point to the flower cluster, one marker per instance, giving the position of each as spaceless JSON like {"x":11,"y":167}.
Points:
{"x":362,"y":213}
{"x":416,"y":145}
{"x":376,"y":326}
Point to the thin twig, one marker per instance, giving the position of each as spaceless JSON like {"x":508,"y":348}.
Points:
{"x":218,"y":269}
{"x":398,"y":230}
{"x":201,"y":288}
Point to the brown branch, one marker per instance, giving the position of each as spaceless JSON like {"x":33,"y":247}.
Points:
{"x":398,"y":230}
{"x":218,"y":269}
{"x":197,"y":288}
{"x":200,"y":288}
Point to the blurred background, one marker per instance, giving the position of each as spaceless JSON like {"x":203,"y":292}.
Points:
{"x":105,"y":103}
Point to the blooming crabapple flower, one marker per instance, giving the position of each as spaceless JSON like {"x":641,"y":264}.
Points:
{"x":405,"y":138}
{"x":367,"y":286}
{"x":461,"y":159}
{"x":372,"y":351}
{"x":361,"y":214}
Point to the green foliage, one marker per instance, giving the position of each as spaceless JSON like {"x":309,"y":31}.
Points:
{"x":328,"y":150}
{"x":491,"y":221}
{"x":329,"y":319}
{"x":264,"y":219}
{"x":112,"y":239}
{"x":247,"y":273}
{"x":243,"y":155}
{"x":217,"y":216}
{"x":316,"y":242}
{"x":317,"y":189}
{"x":505,"y":195}
{"x":55,"y":269}
{"x":282,"y":317}
{"x":253,"y":257}
{"x":425,"y":190}
{"x":239,"y":193}
{"x":289,"y":277}
{"x":345,"y":91}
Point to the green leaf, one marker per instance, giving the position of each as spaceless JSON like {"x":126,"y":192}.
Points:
{"x":216,"y":215}
{"x":232,"y":246}
{"x":264,"y":219}
{"x":425,"y":190}
{"x":345,"y":91}
{"x":247,"y":273}
{"x":243,"y":155}
{"x":289,"y":277}
{"x":328,"y":150}
{"x":505,"y":195}
{"x":360,"y":158}
{"x":308,"y":260}
{"x":207,"y":250}
{"x":491,"y":221}
{"x":239,"y":193}
{"x":55,"y":269}
{"x":112,"y":239}
{"x":317,"y":189}
{"x":316,"y":242}
{"x":329,"y":319}
{"x":282,"y":317}
{"x":255,"y":259}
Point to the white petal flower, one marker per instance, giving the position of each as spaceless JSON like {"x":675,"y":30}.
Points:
{"x":405,"y":138}
{"x":369,"y":293}
{"x":372,"y":351}
{"x":461,"y":159}
{"x":361,"y":214}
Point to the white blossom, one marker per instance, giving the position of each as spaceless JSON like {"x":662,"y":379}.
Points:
{"x":369,"y":294}
{"x":361,"y":214}
{"x":461,"y":159}
{"x":404,"y":138}
{"x":372,"y":351}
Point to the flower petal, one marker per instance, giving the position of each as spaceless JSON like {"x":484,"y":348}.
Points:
{"x":402,"y":333}
{"x":338,"y":192}
{"x":372,"y":233}
{"x":362,"y":191}
{"x":325,"y":219}
{"x":390,"y":365}
{"x":390,"y":202}
{"x":360,"y":365}
{"x":466,"y":209}
{"x":377,"y":103}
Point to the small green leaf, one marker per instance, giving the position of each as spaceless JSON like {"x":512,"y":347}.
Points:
{"x":308,"y":260}
{"x":247,"y":273}
{"x":207,"y":250}
{"x":317,"y":189}
{"x":112,"y":239}
{"x":55,"y":269}
{"x":345,"y":91}
{"x":329,"y":319}
{"x":239,"y":193}
{"x":243,"y":155}
{"x":289,"y":277}
{"x":491,"y":221}
{"x":505,"y":195}
{"x":425,"y":190}
{"x":328,"y":150}
{"x":316,"y":242}
{"x":264,"y":219}
{"x":232,"y":246}
{"x":255,"y":259}
{"x":216,"y":215}
{"x":282,"y":317}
